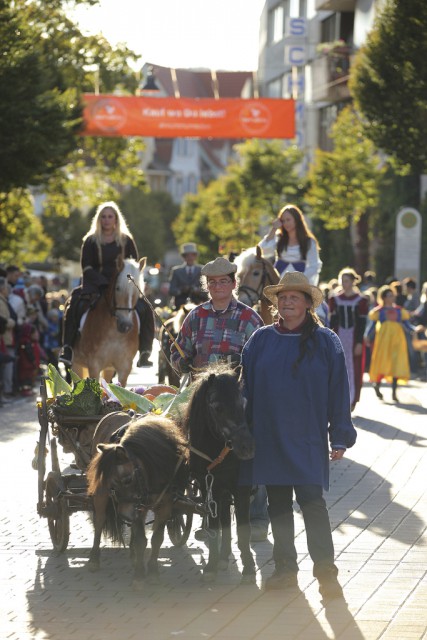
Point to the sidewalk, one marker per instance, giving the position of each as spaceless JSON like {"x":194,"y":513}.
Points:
{"x":378,"y":507}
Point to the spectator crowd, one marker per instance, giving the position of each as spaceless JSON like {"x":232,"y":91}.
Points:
{"x":30,"y":330}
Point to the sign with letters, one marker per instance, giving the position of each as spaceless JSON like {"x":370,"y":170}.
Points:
{"x":227,"y":118}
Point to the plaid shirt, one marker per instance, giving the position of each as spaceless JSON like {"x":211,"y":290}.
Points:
{"x":207,"y":335}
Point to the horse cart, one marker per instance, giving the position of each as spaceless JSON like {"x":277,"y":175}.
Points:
{"x":62,"y":487}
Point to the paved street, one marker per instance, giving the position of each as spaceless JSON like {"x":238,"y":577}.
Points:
{"x":378,"y":507}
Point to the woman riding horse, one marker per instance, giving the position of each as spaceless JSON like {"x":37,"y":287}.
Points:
{"x":108,"y":238}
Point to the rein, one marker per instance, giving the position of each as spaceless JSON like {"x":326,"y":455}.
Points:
{"x":112,"y":301}
{"x":258,"y":292}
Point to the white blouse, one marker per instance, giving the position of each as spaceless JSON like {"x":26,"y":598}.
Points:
{"x":313,"y":264}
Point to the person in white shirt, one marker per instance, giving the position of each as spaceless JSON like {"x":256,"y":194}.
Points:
{"x":293,"y":245}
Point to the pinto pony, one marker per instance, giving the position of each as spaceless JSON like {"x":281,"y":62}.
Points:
{"x":254,"y":272}
{"x":108,"y":341}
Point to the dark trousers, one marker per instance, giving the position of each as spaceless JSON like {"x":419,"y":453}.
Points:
{"x":317,"y":527}
{"x":146,"y":326}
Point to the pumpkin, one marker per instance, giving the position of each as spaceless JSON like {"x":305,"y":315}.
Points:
{"x":157,"y":389}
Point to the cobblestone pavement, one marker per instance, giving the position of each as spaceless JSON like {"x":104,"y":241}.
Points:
{"x":378,"y":507}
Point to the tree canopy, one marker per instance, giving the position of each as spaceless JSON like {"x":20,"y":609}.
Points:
{"x":46,"y":66}
{"x":388,"y":82}
{"x":227,"y":214}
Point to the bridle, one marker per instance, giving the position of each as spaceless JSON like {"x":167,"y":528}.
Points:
{"x":256,"y":294}
{"x":111,"y":300}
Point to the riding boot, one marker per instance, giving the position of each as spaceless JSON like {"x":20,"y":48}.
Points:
{"x":146,"y":332}
{"x":74,"y":308}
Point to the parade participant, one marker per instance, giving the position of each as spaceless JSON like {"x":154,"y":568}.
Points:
{"x":107,"y":239}
{"x":296,"y":385}
{"x":217,"y":329}
{"x":348,"y":313}
{"x":185,"y":278}
{"x":390,"y":354}
{"x":295,"y":246}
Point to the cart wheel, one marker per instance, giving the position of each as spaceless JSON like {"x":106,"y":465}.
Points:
{"x":58,"y":518}
{"x":179,"y":528}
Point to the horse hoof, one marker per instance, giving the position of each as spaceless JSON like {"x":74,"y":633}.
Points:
{"x":93,"y":566}
{"x":137,"y":585}
{"x":248,"y":578}
{"x":208,"y":577}
{"x":223,"y":565}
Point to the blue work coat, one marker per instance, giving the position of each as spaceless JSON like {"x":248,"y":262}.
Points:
{"x":294,"y":416}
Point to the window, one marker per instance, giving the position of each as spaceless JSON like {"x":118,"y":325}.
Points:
{"x":276,"y":19}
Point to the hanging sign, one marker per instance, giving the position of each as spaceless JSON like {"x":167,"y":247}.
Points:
{"x":109,"y":115}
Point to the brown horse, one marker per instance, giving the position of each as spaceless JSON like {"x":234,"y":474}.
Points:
{"x":255,"y":272}
{"x":108,"y":341}
{"x":141,"y":471}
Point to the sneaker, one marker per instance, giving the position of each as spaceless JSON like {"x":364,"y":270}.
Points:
{"x":66,"y":356}
{"x":259,"y":532}
{"x":281,"y":579}
{"x":143,"y":361}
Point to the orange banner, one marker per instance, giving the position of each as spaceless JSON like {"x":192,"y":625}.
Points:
{"x":109,"y":115}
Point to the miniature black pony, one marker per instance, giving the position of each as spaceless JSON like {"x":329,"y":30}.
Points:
{"x":219,"y":437}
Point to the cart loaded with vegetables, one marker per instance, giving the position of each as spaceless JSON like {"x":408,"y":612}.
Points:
{"x":68,"y":415}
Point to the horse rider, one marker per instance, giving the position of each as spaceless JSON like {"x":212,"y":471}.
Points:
{"x":107,"y":238}
{"x":185,"y":278}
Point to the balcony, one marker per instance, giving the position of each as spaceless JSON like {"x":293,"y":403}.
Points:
{"x":330,"y":72}
{"x":335,"y":5}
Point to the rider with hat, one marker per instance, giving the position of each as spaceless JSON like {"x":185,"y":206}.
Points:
{"x":185,"y":278}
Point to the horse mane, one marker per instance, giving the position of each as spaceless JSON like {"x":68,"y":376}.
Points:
{"x":244,"y":259}
{"x":196,"y":420}
{"x":155,"y":441}
{"x":130,"y":267}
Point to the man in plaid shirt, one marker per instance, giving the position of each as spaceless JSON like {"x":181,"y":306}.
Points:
{"x":218,"y":329}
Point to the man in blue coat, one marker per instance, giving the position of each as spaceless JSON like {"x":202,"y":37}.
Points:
{"x":298,"y":396}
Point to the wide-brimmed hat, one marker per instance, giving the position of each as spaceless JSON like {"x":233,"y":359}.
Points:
{"x":188,"y":247}
{"x":294,"y":281}
{"x":219,"y":267}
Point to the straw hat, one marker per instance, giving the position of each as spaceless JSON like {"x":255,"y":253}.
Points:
{"x":189,"y":247}
{"x":294,"y":281}
{"x":219,"y":267}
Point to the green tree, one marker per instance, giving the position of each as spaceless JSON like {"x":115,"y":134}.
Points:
{"x":344,"y":189}
{"x":38,"y":118}
{"x":48,"y":65}
{"x":388,"y":82}
{"x":227,"y":214}
{"x":150,"y":216}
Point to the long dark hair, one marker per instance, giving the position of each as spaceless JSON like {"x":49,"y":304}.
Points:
{"x":308,"y":332}
{"x":304,"y":235}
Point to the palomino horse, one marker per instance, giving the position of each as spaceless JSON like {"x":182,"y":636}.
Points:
{"x":219,"y":438}
{"x":108,"y":340}
{"x":255,"y":272}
